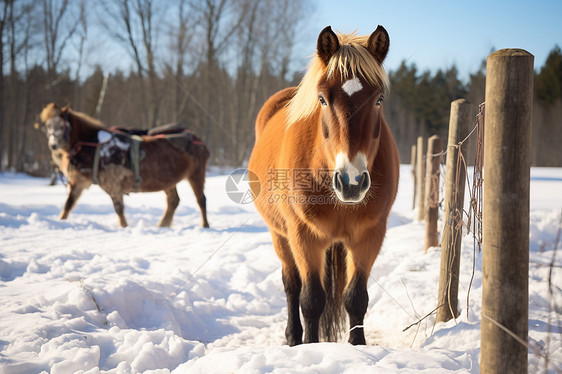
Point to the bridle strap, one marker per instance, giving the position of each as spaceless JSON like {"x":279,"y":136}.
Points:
{"x":66,"y":127}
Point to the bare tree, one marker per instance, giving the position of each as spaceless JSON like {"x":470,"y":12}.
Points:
{"x":265,"y":43}
{"x":21,"y":31}
{"x":246,"y":79}
{"x":7,"y":7}
{"x":220,"y":20}
{"x":82,"y":31}
{"x":181,"y":36}
{"x":17,"y":37}
{"x":59,"y":24}
{"x":132,"y":23}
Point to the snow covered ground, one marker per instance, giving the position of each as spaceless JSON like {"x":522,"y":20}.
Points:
{"x":85,"y":296}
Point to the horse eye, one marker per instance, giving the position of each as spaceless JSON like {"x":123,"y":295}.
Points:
{"x":379,"y":101}
{"x":322,"y":100}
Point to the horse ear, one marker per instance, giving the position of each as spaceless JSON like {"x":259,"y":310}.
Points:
{"x":55,"y":109}
{"x":327,"y":45}
{"x":378,"y":44}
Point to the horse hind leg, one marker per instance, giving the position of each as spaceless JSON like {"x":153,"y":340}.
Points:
{"x":292,"y":283}
{"x":173,"y":200}
{"x":119,"y":207}
{"x":197,"y":181}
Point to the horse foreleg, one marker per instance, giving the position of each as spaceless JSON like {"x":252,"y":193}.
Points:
{"x":309,"y":254}
{"x":313,"y":301}
{"x":360,"y":259}
{"x":197,"y":182}
{"x":173,"y":201}
{"x":356,"y":300}
{"x":75,"y":190}
{"x":292,"y":283}
{"x":119,"y":207}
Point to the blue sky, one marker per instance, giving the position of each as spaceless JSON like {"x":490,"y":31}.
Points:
{"x":437,"y":34}
{"x":431,"y":34}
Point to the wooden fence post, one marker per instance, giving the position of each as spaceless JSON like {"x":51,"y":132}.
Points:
{"x":505,"y":267}
{"x":434,"y":156}
{"x":414,"y":166}
{"x":459,"y":127}
{"x":420,"y":177}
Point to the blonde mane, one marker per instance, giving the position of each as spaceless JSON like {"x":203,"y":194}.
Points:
{"x":52,"y":110}
{"x":351,"y":60}
{"x":48,"y":112}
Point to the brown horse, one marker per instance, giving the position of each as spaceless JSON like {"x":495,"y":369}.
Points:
{"x":331,"y":166}
{"x":88,"y":153}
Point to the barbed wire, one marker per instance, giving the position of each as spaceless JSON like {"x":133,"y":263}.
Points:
{"x":474,"y":223}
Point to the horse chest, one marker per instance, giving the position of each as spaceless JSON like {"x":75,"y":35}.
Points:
{"x":341,"y":222}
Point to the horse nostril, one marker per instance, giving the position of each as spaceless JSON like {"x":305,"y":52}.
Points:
{"x":364,"y":182}
{"x":338,"y":181}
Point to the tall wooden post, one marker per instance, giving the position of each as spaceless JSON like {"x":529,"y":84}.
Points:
{"x":433,"y":157}
{"x":505,"y":267}
{"x":414,"y":166}
{"x":459,"y":127}
{"x":420,"y":177}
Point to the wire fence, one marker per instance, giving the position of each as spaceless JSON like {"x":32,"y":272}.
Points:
{"x":472,"y":220}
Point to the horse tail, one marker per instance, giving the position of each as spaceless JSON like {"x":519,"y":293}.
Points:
{"x":333,"y":318}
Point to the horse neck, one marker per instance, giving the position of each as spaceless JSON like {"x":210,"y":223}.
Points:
{"x":81,"y":131}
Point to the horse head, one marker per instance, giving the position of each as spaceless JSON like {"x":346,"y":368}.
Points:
{"x":57,"y":126}
{"x":350,"y":95}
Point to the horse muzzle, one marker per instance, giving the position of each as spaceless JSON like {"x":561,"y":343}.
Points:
{"x":351,"y":180}
{"x":53,"y":143}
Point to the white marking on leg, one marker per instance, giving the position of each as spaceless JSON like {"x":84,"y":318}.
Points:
{"x":352,"y":86}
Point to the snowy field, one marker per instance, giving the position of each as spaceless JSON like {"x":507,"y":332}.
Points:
{"x":84,"y":296}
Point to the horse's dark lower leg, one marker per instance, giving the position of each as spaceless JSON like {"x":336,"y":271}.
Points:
{"x":119,"y":207}
{"x":197,"y":182}
{"x":73,"y":195}
{"x":293,"y":284}
{"x":356,"y":300}
{"x":202,"y":202}
{"x":173,"y":200}
{"x":312,"y":300}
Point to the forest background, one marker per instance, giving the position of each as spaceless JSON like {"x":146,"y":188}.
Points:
{"x":209,"y":65}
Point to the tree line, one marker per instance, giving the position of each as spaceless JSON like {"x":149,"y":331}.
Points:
{"x":206,"y":64}
{"x":419,"y":105}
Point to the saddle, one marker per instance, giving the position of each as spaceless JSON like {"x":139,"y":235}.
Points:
{"x":130,"y":140}
{"x":168,"y":129}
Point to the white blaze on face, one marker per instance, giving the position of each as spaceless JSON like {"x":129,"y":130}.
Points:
{"x":352,"y":170}
{"x":56,"y":128}
{"x":349,"y":180}
{"x":352,"y":86}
